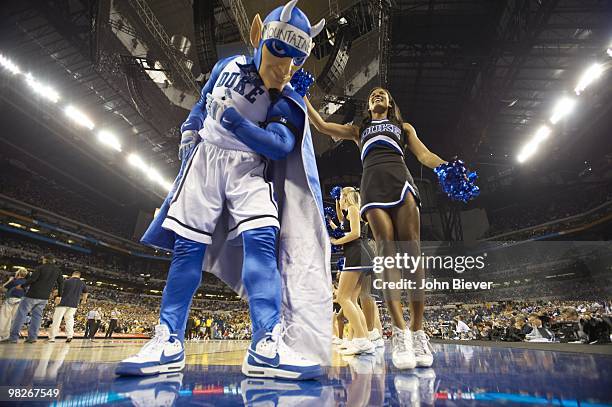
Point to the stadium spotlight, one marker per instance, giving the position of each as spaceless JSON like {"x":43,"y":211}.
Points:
{"x":43,"y":90}
{"x":532,"y":146}
{"x":588,"y":77}
{"x":154,"y":175}
{"x":79,"y":117}
{"x":563,"y":107}
{"x":542,"y":134}
{"x":9,"y":65}
{"x":166,"y":185}
{"x":110,"y":140}
{"x":136,"y":161}
{"x":528,"y":150}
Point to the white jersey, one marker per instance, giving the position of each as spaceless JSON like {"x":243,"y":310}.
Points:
{"x":252,"y":102}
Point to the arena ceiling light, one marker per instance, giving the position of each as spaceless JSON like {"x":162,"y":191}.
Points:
{"x":532,"y":146}
{"x":109,"y":139}
{"x":9,"y":65}
{"x":156,"y":177}
{"x":563,"y":107}
{"x":588,"y":77}
{"x":136,"y":161}
{"x":78,"y":117}
{"x":45,"y":91}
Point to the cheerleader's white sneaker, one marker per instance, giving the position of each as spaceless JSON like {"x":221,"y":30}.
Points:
{"x":402,"y":354}
{"x":422,"y":349}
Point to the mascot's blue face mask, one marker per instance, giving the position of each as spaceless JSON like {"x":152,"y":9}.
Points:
{"x":287,"y":33}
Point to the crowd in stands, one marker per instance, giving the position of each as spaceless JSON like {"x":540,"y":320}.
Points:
{"x":218,"y":325}
{"x":98,"y":264}
{"x":529,"y":213}
{"x":34,"y":189}
{"x":564,"y":321}
{"x":514,"y":321}
{"x":139,"y":313}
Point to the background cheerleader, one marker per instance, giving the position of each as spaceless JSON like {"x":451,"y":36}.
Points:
{"x":358,"y":260}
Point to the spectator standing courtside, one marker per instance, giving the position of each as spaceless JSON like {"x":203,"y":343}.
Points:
{"x":93,"y":318}
{"x":112,"y":325}
{"x":40,"y":284}
{"x":67,"y":304}
{"x":14,"y":294}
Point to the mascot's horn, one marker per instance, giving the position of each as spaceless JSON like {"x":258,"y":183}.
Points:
{"x":286,"y":13}
{"x":314,"y":31}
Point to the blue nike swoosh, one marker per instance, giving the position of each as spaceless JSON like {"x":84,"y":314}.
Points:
{"x":274,"y":362}
{"x":165,"y":359}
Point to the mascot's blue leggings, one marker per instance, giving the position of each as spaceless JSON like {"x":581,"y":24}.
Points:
{"x":260,"y":276}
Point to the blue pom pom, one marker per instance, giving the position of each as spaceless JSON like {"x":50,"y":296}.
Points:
{"x":335,"y":192}
{"x":330,"y":212}
{"x":301,"y":82}
{"x":456,"y":181}
{"x":335,"y":248}
{"x":340,"y":263}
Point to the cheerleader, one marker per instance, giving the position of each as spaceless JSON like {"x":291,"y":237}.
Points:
{"x":390,"y":204}
{"x":358,"y":260}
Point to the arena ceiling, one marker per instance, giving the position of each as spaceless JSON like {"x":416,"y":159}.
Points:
{"x":474,"y":77}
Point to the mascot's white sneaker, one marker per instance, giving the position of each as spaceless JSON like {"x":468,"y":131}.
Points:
{"x":269,"y":356}
{"x":162,"y":354}
{"x":402,"y":354}
{"x":376,"y":338}
{"x":274,"y":392}
{"x":359,"y":346}
{"x":160,"y":390}
{"x":422,"y":349}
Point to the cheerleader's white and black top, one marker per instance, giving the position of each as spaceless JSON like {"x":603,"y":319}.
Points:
{"x":358,"y":255}
{"x":385,"y":180}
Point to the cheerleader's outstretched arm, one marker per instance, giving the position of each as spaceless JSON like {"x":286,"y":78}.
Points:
{"x":334,"y":130}
{"x":421,"y":152}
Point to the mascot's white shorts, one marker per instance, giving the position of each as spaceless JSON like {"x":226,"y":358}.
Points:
{"x":216,"y":177}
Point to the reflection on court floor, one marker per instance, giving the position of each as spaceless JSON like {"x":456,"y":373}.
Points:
{"x":461,"y":375}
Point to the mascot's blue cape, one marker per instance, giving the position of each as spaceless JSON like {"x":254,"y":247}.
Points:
{"x":304,"y":248}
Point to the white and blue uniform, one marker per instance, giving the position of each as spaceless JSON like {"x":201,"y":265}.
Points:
{"x":385,"y":180}
{"x":223,"y":171}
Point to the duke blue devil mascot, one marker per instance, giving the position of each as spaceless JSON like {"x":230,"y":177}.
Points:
{"x":247,"y":207}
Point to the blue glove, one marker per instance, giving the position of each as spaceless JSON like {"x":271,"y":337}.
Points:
{"x":188,"y":141}
{"x":275,"y":141}
{"x":335,"y":192}
{"x":301,"y":82}
{"x":456,"y":181}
